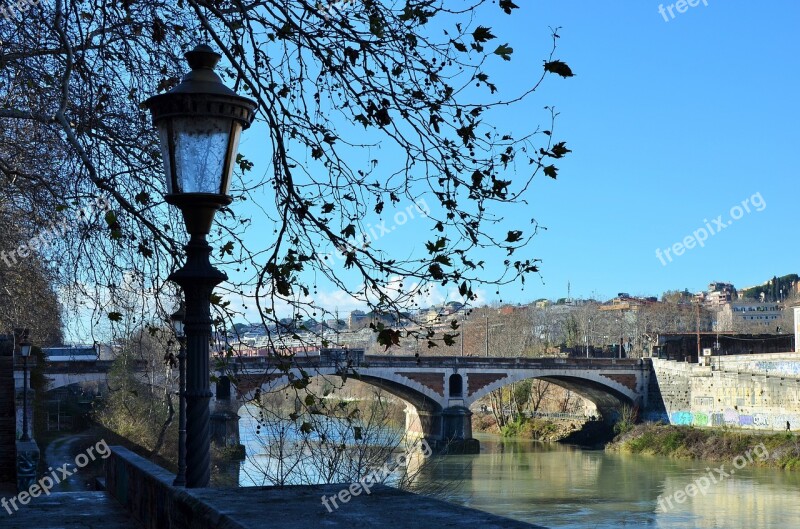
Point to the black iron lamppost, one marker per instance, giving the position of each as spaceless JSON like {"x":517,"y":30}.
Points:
{"x":177,"y":326}
{"x":25,"y":352}
{"x":199,"y":122}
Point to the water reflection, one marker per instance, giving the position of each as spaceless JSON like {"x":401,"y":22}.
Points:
{"x":564,"y":487}
{"x":570,"y":488}
{"x":280,"y":452}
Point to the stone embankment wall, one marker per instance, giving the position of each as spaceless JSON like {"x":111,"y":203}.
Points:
{"x":745,"y":391}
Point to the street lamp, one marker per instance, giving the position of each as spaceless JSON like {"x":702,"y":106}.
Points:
{"x":199,"y":123}
{"x":25,"y":352}
{"x":176,"y":320}
{"x":588,"y":332}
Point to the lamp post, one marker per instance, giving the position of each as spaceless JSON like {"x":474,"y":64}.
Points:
{"x":199,"y":123}
{"x":25,"y":352}
{"x":588,"y":332}
{"x":177,"y":326}
{"x":463,"y":329}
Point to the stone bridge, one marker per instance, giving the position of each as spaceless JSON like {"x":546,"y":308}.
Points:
{"x":62,"y":374}
{"x":440,"y":390}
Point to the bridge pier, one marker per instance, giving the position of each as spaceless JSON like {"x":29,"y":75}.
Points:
{"x":225,"y":420}
{"x":448,"y":431}
{"x":457,"y":425}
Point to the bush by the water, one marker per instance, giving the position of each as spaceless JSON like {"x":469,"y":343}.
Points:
{"x":537,"y":429}
{"x":779,"y":450}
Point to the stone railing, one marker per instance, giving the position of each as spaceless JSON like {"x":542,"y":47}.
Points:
{"x":145,"y":490}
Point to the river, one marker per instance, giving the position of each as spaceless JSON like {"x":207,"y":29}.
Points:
{"x":563,"y":487}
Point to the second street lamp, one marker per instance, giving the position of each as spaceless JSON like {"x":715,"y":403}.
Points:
{"x":25,"y":352}
{"x":177,"y":326}
{"x":199,"y":123}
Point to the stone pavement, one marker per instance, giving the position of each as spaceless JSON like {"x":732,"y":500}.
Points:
{"x":69,"y":510}
{"x":299,"y":507}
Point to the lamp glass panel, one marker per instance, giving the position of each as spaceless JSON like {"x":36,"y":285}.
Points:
{"x":200,"y":149}
{"x":163,"y":134}
{"x":236,"y":134}
{"x":25,"y":349}
{"x":177,"y":325}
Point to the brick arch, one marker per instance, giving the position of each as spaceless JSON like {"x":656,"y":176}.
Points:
{"x":420,"y":392}
{"x":607,"y":392}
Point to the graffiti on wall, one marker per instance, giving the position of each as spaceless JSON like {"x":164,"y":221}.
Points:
{"x":731,"y":417}
{"x":773,"y":367}
{"x":681,"y":417}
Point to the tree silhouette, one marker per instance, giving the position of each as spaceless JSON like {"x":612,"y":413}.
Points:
{"x":366,"y":109}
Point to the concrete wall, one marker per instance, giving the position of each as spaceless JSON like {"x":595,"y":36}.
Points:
{"x":748,"y":391}
{"x":145,"y":491}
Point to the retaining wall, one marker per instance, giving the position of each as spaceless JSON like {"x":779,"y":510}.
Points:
{"x":748,"y":391}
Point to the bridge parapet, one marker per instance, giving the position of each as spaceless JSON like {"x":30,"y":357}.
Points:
{"x":373,"y":361}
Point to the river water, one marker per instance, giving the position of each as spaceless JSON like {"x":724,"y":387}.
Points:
{"x":563,"y":487}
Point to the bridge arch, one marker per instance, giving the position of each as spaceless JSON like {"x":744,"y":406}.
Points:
{"x":62,"y":380}
{"x":607,"y":394}
{"x":424,"y":411}
{"x":421,"y":397}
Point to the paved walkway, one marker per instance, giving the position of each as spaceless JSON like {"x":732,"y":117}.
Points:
{"x":258,"y":508}
{"x":302,"y":507}
{"x":69,"y":510}
{"x":62,"y":450}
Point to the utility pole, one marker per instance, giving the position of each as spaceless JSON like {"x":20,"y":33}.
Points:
{"x":698,"y":332}
{"x":588,"y":331}
{"x":463,"y":328}
{"x":487,"y":335}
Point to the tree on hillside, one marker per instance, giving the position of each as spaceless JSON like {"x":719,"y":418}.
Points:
{"x":140,"y":391}
{"x":371,"y":113}
{"x":27,"y":289}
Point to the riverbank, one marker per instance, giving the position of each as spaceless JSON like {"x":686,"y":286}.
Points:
{"x":778,"y":450}
{"x":534,"y":429}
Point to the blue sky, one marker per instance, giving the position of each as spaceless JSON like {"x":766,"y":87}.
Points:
{"x":672,"y":124}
